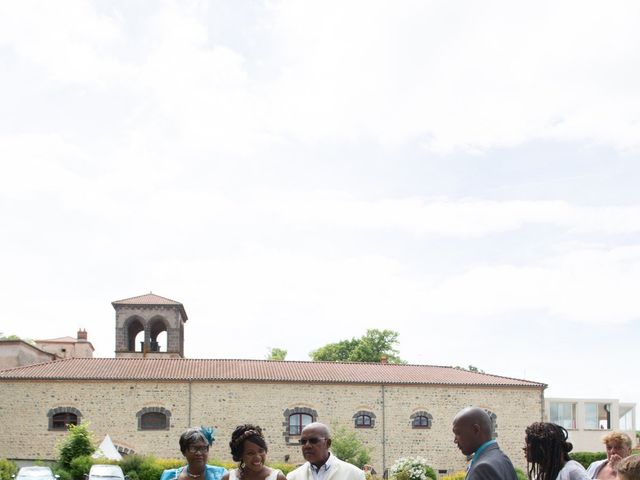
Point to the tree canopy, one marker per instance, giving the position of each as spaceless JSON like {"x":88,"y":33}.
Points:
{"x":371,"y":347}
{"x":277,"y":354}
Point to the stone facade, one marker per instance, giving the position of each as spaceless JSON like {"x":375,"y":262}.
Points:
{"x":153,"y":319}
{"x":113,"y":407}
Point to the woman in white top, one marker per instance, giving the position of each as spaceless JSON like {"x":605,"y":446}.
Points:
{"x":249,"y":448}
{"x":547,"y":451}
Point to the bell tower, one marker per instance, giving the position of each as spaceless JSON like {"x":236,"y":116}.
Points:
{"x":146,"y":318}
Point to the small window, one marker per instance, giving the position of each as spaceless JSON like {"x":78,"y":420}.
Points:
{"x":61,"y":421}
{"x":153,"y":418}
{"x":421,"y":420}
{"x":60,"y":418}
{"x":153,"y":421}
{"x":597,"y":416}
{"x":364,"y":419}
{"x":563,"y":414}
{"x":297,"y":421}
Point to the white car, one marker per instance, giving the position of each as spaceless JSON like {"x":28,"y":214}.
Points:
{"x":106,"y":472}
{"x":35,"y":473}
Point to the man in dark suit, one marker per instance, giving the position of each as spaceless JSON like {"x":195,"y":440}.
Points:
{"x":472,"y":434}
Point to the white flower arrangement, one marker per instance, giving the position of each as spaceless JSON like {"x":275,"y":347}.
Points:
{"x":411,"y":468}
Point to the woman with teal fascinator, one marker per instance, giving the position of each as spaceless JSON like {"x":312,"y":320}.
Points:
{"x":194,"y":445}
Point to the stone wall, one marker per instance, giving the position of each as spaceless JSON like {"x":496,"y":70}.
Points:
{"x":111,"y":407}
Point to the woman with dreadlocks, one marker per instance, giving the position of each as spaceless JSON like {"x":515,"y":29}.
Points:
{"x":249,"y":448}
{"x":547,"y":451}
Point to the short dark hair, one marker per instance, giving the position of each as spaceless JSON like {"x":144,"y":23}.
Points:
{"x":191,"y":436}
{"x":242,"y":433}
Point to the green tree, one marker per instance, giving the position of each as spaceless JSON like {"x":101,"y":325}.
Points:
{"x":347,"y":446}
{"x":77,"y":443}
{"x":277,"y":354}
{"x":8,"y":468}
{"x":371,"y":347}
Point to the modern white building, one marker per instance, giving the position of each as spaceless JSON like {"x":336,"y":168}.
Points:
{"x":588,"y":420}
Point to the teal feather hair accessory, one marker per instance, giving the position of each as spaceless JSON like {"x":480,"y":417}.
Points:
{"x":208,"y":433}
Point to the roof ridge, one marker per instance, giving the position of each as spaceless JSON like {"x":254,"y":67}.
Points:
{"x":146,"y":295}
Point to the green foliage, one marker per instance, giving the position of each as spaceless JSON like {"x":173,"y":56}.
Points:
{"x":285,"y":467}
{"x":277,"y":354}
{"x":80,"y":466}
{"x":521,"y":475}
{"x":412,"y":468}
{"x":77,"y":443}
{"x":347,"y":446}
{"x":371,"y":347}
{"x":7,"y":468}
{"x":62,"y":472}
{"x":456,"y":476}
{"x":586,"y":458}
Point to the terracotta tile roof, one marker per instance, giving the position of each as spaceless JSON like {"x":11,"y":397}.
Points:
{"x":150,"y":299}
{"x":181,"y":369}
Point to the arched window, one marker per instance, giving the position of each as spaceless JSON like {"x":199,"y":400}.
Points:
{"x":364,"y":419}
{"x":153,"y":418}
{"x":295,"y":419}
{"x":421,"y":420}
{"x":158,"y":334}
{"x":135,"y":332}
{"x":60,"y":418}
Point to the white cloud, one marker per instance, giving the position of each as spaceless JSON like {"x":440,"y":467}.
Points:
{"x":471,"y":76}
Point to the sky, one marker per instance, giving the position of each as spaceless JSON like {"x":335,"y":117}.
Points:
{"x":295,"y":173}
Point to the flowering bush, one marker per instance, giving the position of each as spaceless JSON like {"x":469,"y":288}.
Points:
{"x":412,"y":468}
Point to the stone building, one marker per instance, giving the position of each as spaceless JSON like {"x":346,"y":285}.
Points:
{"x":145,"y":399}
{"x":16,"y":353}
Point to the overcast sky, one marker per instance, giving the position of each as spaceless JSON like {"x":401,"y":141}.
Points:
{"x":466,"y":173}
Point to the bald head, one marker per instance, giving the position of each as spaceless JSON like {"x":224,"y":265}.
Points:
{"x":319,"y":428}
{"x":471,"y":428}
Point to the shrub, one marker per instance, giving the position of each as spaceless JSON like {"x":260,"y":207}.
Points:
{"x":62,"y":472}
{"x":455,"y":476}
{"x":347,"y":446}
{"x":130,"y":464}
{"x":412,"y":468}
{"x":77,"y":443}
{"x":80,"y":466}
{"x":284,"y":467}
{"x":586,"y":458}
{"x":7,"y":468}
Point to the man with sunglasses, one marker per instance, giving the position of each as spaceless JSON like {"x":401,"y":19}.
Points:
{"x":315,"y":440}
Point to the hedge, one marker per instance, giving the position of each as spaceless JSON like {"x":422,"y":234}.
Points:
{"x":138,"y":467}
{"x":7,"y":468}
{"x":587,"y":458}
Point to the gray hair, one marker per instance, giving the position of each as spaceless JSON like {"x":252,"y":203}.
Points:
{"x":191,"y":436}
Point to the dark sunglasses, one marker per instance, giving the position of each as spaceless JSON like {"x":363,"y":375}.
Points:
{"x":194,"y":449}
{"x":312,"y":440}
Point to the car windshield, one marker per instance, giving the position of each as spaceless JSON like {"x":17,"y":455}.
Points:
{"x":41,"y":473}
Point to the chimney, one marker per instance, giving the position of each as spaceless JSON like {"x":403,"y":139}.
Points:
{"x":82,"y":334}
{"x":384,"y":359}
